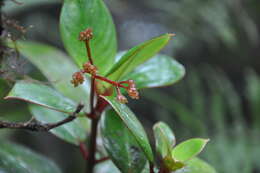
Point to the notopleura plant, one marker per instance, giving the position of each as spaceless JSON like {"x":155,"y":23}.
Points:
{"x":76,"y":107}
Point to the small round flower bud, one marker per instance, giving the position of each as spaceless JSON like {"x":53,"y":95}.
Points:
{"x":121,"y":98}
{"x":86,"y":35}
{"x":133,"y":93}
{"x":77,"y":78}
{"x":89,"y":68}
{"x":131,"y":83}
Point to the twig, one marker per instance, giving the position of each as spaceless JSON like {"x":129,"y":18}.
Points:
{"x":92,"y":145}
{"x":83,"y":150}
{"x":35,"y":125}
{"x":151,"y":167}
{"x":102,"y":160}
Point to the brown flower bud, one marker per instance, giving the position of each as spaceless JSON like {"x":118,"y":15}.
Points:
{"x":89,"y":68}
{"x":77,"y":78}
{"x":121,"y":98}
{"x":131,"y":83}
{"x":86,"y":35}
{"x":133,"y":93}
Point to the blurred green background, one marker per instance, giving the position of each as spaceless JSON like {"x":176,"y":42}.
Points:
{"x":218,"y":42}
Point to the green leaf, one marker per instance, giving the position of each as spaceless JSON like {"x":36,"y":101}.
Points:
{"x":161,"y":70}
{"x":164,"y":138}
{"x":57,"y":68}
{"x":73,"y":132}
{"x":42,"y":95}
{"x":121,"y":145}
{"x":137,"y":55}
{"x":133,"y":124}
{"x":197,"y":165}
{"x":188,"y":149}
{"x":18,"y":159}
{"x":76,"y":16}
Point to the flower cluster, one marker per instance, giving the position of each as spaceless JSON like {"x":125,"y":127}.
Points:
{"x":131,"y":90}
{"x":78,"y":78}
{"x":90,"y":68}
{"x":86,"y":35}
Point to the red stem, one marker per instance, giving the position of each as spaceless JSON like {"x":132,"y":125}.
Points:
{"x":110,"y":81}
{"x":89,"y":52}
{"x":100,"y":106}
{"x":151,"y":167}
{"x":92,"y":95}
{"x":83,"y":150}
{"x":102,"y":160}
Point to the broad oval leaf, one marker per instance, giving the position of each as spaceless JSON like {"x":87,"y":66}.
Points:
{"x":121,"y":145}
{"x":188,"y":149}
{"x":133,"y":124}
{"x":197,"y":165}
{"x":73,"y":132}
{"x":164,"y":138}
{"x":42,"y":95}
{"x":76,"y":16}
{"x":57,"y":68}
{"x":137,"y":55}
{"x":18,"y":159}
{"x":161,"y":70}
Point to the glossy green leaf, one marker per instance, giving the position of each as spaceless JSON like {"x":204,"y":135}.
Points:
{"x":57,"y":68}
{"x":76,"y":16}
{"x":121,"y":145}
{"x":137,"y":55}
{"x":161,"y":70}
{"x":42,"y":95}
{"x":164,"y":138}
{"x":18,"y":159}
{"x":197,"y":165}
{"x":133,"y":124}
{"x":188,"y":149}
{"x":73,"y":132}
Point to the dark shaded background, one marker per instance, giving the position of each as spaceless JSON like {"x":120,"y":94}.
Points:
{"x":218,"y":42}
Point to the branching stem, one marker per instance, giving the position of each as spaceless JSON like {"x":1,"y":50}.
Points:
{"x":35,"y":125}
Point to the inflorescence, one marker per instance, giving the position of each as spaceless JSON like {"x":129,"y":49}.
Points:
{"x":90,"y":68}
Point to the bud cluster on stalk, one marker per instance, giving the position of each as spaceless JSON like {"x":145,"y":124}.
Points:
{"x":90,"y":68}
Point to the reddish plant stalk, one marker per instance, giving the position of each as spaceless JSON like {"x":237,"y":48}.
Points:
{"x":102,"y":160}
{"x":89,"y":52}
{"x":151,"y":167}
{"x":95,"y":111}
{"x":83,"y":150}
{"x":110,"y":81}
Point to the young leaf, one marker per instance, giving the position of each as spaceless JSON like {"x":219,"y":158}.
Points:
{"x":164,"y":138}
{"x":133,"y":124}
{"x":73,"y":132}
{"x":76,"y":16}
{"x":41,"y":95}
{"x":120,"y":144}
{"x":188,"y":149}
{"x":57,"y":68}
{"x":15,"y":158}
{"x":161,"y":70}
{"x":137,"y":55}
{"x":197,"y":165}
